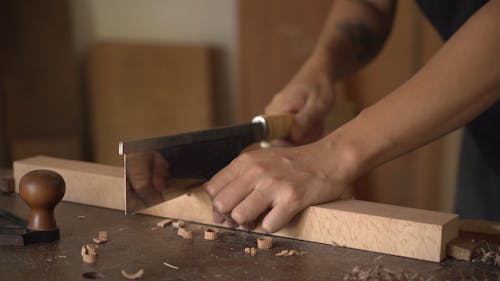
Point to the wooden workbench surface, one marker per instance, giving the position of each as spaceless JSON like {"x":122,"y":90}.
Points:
{"x":132,"y":245}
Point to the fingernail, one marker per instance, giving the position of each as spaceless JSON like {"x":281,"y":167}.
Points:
{"x":229,"y":222}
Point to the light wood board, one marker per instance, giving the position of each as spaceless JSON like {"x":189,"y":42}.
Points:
{"x":139,"y":90}
{"x":388,"y":229}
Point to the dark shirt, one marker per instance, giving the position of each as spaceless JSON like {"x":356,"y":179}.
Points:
{"x":447,"y":16}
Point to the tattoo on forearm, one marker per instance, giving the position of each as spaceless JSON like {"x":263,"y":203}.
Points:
{"x":361,"y":37}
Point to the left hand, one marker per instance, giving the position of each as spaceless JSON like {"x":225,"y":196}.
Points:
{"x":282,"y":181}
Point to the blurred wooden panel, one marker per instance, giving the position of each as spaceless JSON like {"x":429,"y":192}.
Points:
{"x":38,"y":82}
{"x":143,"y":90}
{"x":68,"y":146}
{"x":276,"y":37}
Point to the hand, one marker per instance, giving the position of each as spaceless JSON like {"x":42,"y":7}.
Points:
{"x":309,"y":96}
{"x":147,"y":176}
{"x":279,"y":181}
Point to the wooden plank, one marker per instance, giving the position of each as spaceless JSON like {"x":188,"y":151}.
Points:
{"x":395,"y":230}
{"x":41,"y":98}
{"x":139,"y":90}
{"x":275,"y":38}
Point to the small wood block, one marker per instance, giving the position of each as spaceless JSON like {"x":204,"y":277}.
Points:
{"x":461,"y":249}
{"x":210,"y":234}
{"x":394,"y":230}
{"x":181,"y":231}
{"x":89,"y":253}
{"x":264,"y":242}
{"x":187,"y":234}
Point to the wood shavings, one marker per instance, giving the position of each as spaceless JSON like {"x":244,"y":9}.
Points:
{"x":102,"y":237}
{"x":185,"y":233}
{"x":133,"y":276}
{"x":178,"y":224}
{"x":188,"y":234}
{"x":89,"y":253}
{"x":98,"y":241}
{"x":164,"y":223}
{"x":210,"y":234}
{"x":252,"y":251}
{"x":180,"y":231}
{"x":380,"y":273}
{"x":487,"y":253}
{"x":264,"y":242}
{"x":287,"y":253}
{"x":171,"y":266}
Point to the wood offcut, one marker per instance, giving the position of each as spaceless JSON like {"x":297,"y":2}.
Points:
{"x":264,"y":242}
{"x":210,"y":234}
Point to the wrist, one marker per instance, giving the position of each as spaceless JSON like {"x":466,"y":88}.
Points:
{"x":355,"y":149}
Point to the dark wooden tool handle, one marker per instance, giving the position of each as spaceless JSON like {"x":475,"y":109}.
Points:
{"x":278,"y":126}
{"x":42,"y":190}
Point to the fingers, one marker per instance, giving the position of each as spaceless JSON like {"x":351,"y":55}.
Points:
{"x":278,"y":217}
{"x":286,"y":102}
{"x":134,"y":202}
{"x":247,"y":212}
{"x":216,"y":217}
{"x":231,"y":195}
{"x":139,"y":177}
{"x":220,"y":180}
{"x":161,"y":173}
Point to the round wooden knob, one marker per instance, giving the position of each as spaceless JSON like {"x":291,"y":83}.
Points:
{"x":42,"y":190}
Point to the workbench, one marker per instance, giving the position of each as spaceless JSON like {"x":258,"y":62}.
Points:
{"x":133,"y":245}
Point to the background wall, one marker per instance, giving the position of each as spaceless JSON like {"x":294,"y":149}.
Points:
{"x":212,"y":22}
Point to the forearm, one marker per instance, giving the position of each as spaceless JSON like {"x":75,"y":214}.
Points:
{"x":460,"y":82}
{"x":352,"y":35}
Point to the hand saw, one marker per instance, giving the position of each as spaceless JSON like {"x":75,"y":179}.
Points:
{"x":162,"y":168}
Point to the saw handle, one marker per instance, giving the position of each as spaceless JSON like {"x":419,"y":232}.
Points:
{"x":277,"y":126}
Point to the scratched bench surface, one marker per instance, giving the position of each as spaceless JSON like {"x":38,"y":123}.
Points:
{"x":133,"y":245}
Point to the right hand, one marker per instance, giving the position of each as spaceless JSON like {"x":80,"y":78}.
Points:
{"x":309,"y":96}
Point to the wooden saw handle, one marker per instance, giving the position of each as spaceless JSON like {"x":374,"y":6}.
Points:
{"x":277,"y":126}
